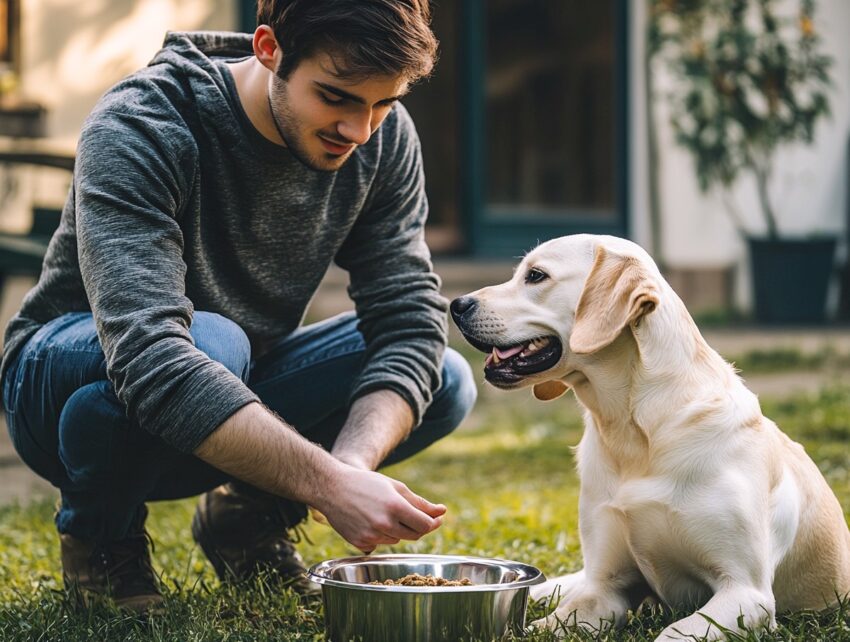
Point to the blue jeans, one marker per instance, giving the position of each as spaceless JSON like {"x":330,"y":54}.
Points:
{"x":68,"y":426}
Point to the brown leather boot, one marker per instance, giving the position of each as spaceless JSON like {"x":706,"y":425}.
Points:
{"x":120,"y":571}
{"x":246,"y":534}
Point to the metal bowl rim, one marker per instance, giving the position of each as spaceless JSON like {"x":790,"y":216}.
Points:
{"x":535,"y":575}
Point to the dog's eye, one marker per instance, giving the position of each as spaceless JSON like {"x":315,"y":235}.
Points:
{"x":535,"y":276}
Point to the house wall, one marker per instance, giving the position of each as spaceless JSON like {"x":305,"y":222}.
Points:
{"x":74,"y":50}
{"x":809,"y":187}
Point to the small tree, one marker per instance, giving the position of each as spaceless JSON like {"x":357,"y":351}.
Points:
{"x":746,"y":81}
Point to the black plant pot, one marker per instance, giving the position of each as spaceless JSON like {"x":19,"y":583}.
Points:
{"x":790,"y":279}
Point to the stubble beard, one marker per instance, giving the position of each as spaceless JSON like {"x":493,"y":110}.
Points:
{"x":286,"y":124}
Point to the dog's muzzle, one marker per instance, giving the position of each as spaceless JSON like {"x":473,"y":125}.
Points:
{"x":506,"y":365}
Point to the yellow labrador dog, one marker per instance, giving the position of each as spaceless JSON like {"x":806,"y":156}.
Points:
{"x":687,"y":490}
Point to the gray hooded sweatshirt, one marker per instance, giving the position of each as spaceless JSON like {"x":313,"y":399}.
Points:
{"x":179,"y":204}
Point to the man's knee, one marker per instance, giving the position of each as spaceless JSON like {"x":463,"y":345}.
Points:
{"x":456,"y":396}
{"x":223,"y":341}
{"x":91,"y":421}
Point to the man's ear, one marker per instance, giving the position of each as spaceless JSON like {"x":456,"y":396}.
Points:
{"x":619,"y":291}
{"x":266,"y":47}
{"x":549,"y":390}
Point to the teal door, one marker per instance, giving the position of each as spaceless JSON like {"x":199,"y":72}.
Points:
{"x":544,"y":121}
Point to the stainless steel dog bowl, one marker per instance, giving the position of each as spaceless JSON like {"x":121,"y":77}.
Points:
{"x":492,"y":607}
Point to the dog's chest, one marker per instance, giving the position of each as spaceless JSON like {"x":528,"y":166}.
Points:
{"x":664,"y":550}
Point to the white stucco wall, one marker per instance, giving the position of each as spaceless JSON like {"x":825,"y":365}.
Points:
{"x":74,"y":50}
{"x":809,"y":187}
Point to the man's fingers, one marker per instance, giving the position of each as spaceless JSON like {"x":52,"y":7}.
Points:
{"x":422,"y":516}
{"x":401,"y":531}
{"x":417,"y":521}
{"x":370,"y":544}
{"x":432,"y":510}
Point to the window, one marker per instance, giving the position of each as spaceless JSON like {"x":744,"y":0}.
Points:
{"x":549,"y":105}
{"x":523,"y":125}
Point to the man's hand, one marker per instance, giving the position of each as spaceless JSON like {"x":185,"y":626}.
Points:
{"x":368,"y":509}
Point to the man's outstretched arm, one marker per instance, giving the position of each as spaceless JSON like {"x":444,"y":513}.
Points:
{"x":377,"y":423}
{"x":364,"y":507}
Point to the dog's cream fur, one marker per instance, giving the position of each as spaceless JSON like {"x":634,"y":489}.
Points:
{"x":687,"y":490}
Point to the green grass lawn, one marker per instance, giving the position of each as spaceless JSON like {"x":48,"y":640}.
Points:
{"x":507,"y":478}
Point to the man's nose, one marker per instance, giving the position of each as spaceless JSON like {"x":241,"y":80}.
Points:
{"x":462,"y":305}
{"x":356,"y":128}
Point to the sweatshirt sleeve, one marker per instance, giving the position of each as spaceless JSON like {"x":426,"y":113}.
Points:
{"x":130,"y":178}
{"x":402,"y":315}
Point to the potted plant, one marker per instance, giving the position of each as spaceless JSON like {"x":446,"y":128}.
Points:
{"x":748,"y":80}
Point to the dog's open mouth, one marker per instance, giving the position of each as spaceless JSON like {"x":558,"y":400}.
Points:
{"x":511,"y":364}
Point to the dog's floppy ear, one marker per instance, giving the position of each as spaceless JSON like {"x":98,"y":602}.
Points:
{"x":549,"y":390}
{"x":619,"y":291}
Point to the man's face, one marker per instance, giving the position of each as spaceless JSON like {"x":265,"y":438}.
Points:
{"x":323,"y":118}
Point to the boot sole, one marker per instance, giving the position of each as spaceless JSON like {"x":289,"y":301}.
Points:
{"x":87,"y":599}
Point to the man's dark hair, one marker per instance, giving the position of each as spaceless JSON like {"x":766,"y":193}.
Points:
{"x":364,"y":37}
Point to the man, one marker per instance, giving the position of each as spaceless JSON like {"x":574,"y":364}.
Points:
{"x":160,"y":355}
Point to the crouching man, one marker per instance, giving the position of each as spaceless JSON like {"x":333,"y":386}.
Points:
{"x":161,"y":354}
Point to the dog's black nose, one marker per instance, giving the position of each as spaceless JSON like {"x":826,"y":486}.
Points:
{"x":462,"y":305}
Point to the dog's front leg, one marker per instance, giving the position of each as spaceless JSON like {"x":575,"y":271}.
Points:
{"x":590,"y":606}
{"x":596,"y":597}
{"x":729,"y":608}
{"x":559,"y":588}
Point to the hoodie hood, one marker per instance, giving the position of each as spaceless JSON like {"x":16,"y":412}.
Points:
{"x":197,"y":47}
{"x":194,"y":58}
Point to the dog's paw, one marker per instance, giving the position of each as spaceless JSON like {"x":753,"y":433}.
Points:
{"x":694,"y":627}
{"x":558,"y":588}
{"x":551,"y":623}
{"x":547,"y":591}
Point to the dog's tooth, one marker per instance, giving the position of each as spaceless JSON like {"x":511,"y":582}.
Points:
{"x":496,"y":359}
{"x":543,"y":342}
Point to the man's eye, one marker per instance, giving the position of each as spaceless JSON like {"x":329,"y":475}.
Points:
{"x":328,"y":100}
{"x":535,"y":276}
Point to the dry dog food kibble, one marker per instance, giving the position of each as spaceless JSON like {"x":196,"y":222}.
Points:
{"x":414,"y":579}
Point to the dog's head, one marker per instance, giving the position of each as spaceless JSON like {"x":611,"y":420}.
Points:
{"x":568,"y":298}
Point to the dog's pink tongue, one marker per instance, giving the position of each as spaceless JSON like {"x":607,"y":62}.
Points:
{"x":507,"y":354}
